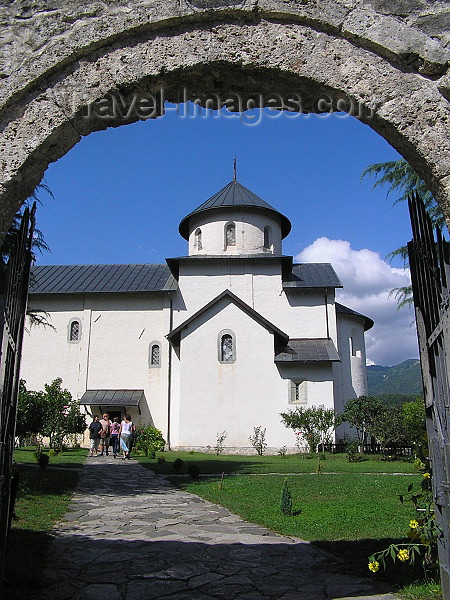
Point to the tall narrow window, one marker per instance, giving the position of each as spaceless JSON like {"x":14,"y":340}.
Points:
{"x":226,"y":346}
{"x":154,"y":355}
{"x":355,"y":348}
{"x":74,"y":331}
{"x":298,"y":392}
{"x":198,"y":239}
{"x":267,"y":237}
{"x":230,"y":235}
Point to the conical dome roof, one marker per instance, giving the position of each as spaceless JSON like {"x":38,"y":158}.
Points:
{"x":234,"y":196}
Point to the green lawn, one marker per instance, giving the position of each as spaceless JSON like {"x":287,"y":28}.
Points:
{"x":329,"y":507}
{"x":42,"y":501}
{"x":349,"y":513}
{"x":73,"y":457}
{"x":351,"y":510}
{"x":294,"y":463}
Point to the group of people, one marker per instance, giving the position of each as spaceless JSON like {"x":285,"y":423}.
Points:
{"x":105,"y":434}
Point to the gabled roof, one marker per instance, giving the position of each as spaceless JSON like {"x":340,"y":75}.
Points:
{"x":312,"y":275}
{"x":175,"y":335}
{"x":232,"y":196}
{"x":345,"y":310}
{"x":308,"y":350}
{"x":82,"y":279}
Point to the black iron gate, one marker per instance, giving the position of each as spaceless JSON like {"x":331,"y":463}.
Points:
{"x":13,"y":300}
{"x":430,"y":274}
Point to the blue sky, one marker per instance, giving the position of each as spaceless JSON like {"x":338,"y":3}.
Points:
{"x":120,"y":194}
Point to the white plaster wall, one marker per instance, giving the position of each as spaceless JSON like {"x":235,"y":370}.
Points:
{"x":113,"y":351}
{"x":351,"y":374}
{"x":300,"y":313}
{"x":236,"y":397}
{"x":249,"y":233}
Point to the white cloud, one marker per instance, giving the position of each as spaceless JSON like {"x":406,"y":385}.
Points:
{"x":367,"y":281}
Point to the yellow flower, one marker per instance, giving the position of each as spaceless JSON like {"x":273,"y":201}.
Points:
{"x":403,"y":555}
{"x":426,"y":476}
{"x":374,"y":565}
{"x":414,"y":524}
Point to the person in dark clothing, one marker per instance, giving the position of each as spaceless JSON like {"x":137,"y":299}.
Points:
{"x":95,"y":429}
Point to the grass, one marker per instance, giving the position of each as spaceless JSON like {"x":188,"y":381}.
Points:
{"x":71,"y":458}
{"x":293,"y":463}
{"x":41,"y":502}
{"x":421,"y":591}
{"x":352,"y":512}
{"x":335,"y":507}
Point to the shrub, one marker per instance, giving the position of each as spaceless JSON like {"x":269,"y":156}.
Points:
{"x":282,"y":452}
{"x":52,"y":452}
{"x":258,"y":440}
{"x":286,"y":500}
{"x":161,"y":460}
{"x":221,"y":437}
{"x":194,"y":471}
{"x":313,"y":425}
{"x":149,"y":440}
{"x":178,"y":464}
{"x":353,"y":453}
{"x":42,"y":458}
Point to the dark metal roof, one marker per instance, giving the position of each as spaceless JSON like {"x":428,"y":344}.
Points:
{"x":175,"y":335}
{"x":112,"y":397}
{"x":232,"y":196}
{"x":82,"y":279}
{"x":308,"y":350}
{"x":344,"y":310}
{"x":312,"y":275}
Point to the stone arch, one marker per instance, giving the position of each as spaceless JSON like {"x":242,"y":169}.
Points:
{"x":386,"y":62}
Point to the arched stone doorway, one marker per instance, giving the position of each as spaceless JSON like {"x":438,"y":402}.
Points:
{"x":62,"y":68}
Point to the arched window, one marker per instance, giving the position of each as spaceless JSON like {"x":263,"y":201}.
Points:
{"x":267,"y":237}
{"x":198,"y":239}
{"x":230,"y":235}
{"x":74,"y":331}
{"x":154,"y":355}
{"x":226,"y":346}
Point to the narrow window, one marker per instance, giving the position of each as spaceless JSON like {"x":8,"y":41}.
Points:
{"x":198,"y":239}
{"x":226,"y":347}
{"x":355,"y":348}
{"x":230,"y":235}
{"x":154,"y":355}
{"x":267,"y":237}
{"x":298,"y":392}
{"x":74,"y":331}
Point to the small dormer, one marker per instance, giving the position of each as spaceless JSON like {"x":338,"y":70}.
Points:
{"x":234,"y":221}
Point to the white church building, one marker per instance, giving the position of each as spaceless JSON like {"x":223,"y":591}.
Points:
{"x":223,"y":339}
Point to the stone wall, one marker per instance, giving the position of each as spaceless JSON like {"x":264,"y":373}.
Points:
{"x":385,"y":60}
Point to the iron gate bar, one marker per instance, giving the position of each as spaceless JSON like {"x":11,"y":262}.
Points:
{"x":13,"y":301}
{"x":429,"y":263}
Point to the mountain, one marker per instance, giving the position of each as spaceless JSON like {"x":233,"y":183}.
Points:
{"x":405,"y":378}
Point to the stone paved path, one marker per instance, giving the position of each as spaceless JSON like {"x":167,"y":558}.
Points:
{"x":144,"y":539}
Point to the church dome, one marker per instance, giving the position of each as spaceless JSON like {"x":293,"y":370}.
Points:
{"x":234,"y":221}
